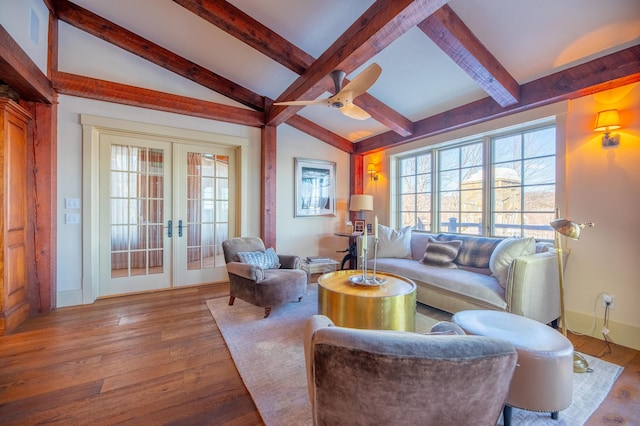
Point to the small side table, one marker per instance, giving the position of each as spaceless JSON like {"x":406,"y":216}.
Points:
{"x":351,"y":255}
{"x":319,"y":267}
{"x":390,"y":306}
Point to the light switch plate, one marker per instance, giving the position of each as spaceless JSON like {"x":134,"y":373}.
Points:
{"x":71,"y":218}
{"x":72,"y":203}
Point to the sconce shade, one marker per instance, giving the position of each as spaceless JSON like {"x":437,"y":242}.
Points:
{"x":361,"y":202}
{"x":569,"y":228}
{"x":371,"y":169}
{"x":607,"y":121}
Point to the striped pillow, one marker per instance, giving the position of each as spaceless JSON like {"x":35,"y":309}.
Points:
{"x":441,"y":253}
{"x":475,"y":251}
{"x":266,"y":259}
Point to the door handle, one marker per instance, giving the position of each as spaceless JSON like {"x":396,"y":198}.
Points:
{"x":170,"y":229}
{"x":180,"y":228}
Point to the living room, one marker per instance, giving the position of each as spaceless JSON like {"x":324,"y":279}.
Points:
{"x":594,"y":183}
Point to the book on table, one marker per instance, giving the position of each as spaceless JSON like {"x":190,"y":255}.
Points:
{"x":318,"y":259}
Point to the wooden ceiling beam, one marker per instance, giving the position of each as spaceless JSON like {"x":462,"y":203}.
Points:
{"x":235,"y":22}
{"x":379,"y":26}
{"x":611,"y":71}
{"x":91,"y":88}
{"x":21,"y":73}
{"x":455,"y":39}
{"x":319,"y":132}
{"x":131,"y":42}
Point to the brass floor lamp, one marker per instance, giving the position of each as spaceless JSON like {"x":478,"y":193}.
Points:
{"x":572,"y":230}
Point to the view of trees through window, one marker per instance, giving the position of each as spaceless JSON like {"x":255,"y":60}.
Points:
{"x":500,"y":186}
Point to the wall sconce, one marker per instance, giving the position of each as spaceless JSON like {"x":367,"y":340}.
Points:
{"x":606,"y":122}
{"x":373,"y":173}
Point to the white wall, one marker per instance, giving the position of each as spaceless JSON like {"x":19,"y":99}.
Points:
{"x":69,"y":243}
{"x":86,"y":55}
{"x":309,"y":236}
{"x":27,"y":21}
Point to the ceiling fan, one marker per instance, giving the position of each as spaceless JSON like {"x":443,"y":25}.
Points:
{"x":343,"y":99}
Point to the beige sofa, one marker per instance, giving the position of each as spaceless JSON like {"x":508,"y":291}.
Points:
{"x":531,"y":283}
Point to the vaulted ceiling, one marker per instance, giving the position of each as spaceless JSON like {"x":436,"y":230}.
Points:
{"x":445,"y":64}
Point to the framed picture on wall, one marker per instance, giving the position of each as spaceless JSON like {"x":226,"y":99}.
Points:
{"x":315,"y":187}
{"x":359,"y":226}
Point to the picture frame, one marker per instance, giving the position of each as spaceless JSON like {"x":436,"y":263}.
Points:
{"x":359,"y":226}
{"x":315,"y":187}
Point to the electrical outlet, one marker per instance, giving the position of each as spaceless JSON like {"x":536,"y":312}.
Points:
{"x":608,"y":299}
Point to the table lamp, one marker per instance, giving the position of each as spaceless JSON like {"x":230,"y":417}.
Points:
{"x":361,"y":203}
{"x":572,"y":230}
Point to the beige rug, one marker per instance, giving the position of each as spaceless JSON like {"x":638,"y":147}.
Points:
{"x":270,"y":358}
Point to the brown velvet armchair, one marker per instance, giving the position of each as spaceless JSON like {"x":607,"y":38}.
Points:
{"x":372,"y":377}
{"x":262,"y":287}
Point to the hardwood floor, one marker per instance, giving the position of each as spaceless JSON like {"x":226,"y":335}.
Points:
{"x":159,"y":358}
{"x":154,"y":358}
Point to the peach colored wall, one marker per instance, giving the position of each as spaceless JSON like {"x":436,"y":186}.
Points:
{"x":603,"y":186}
{"x":595,"y":184}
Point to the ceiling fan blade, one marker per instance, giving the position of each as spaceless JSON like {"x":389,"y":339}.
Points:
{"x":363,"y":81}
{"x":354,"y":111}
{"x":303,"y":103}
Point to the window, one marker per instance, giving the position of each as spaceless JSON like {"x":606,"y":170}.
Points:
{"x":499,"y":185}
{"x":460,"y":188}
{"x":523,"y":183}
{"x":415,"y":191}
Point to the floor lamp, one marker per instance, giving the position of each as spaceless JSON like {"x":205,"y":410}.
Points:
{"x":572,"y":230}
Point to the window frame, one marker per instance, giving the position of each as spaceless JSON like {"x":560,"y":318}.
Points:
{"x":486,"y":139}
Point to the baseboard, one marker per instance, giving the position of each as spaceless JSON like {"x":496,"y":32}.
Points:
{"x":619,"y":333}
{"x":69,"y":298}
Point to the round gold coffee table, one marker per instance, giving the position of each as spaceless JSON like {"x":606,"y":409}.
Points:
{"x":390,"y":306}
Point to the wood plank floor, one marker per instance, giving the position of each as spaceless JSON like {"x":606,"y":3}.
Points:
{"x":159,"y":358}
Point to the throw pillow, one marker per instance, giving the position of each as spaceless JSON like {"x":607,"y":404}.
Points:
{"x":475,"y":251}
{"x":266,"y":259}
{"x":441,"y":253}
{"x":505,"y":252}
{"x":394,"y":243}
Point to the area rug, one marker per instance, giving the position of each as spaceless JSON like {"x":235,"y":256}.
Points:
{"x":269,"y":356}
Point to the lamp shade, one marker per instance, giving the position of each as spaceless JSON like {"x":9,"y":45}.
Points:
{"x":361,"y":202}
{"x":567,"y":228}
{"x":371,"y":168}
{"x":607,"y":121}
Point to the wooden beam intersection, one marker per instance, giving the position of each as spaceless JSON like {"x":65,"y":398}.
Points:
{"x":235,"y":22}
{"x":455,"y":39}
{"x":21,"y":73}
{"x":611,"y":71}
{"x":379,"y":26}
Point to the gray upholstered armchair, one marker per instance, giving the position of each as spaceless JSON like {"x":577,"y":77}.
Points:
{"x":264,"y":286}
{"x":372,"y":377}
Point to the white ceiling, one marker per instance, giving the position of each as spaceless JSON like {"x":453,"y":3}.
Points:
{"x":530,"y":38}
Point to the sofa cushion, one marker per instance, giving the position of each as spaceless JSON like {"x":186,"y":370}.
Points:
{"x":475,"y":251}
{"x":266,"y":259}
{"x":505,"y":252}
{"x":441,"y":253}
{"x":392,"y":243}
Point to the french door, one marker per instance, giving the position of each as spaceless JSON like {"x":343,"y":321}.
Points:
{"x":165,"y":208}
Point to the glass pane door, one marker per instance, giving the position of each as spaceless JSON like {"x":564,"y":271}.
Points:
{"x":205,"y":175}
{"x":134,"y":215}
